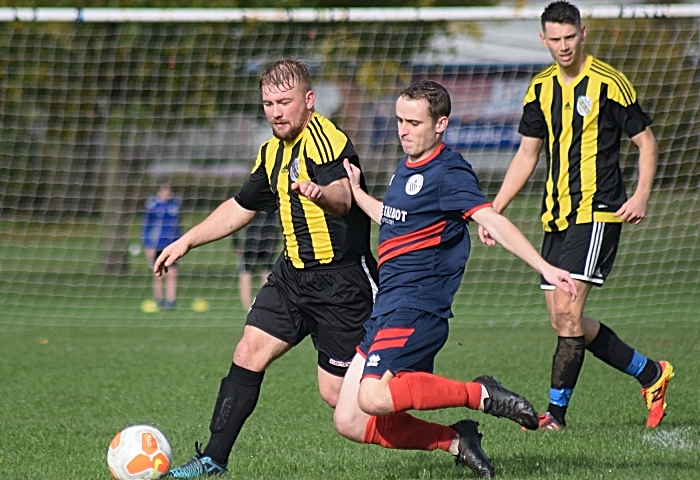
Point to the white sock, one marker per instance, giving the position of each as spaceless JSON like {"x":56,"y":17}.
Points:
{"x":454,"y":448}
{"x":484,"y":396}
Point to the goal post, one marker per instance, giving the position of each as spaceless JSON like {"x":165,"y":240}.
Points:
{"x":97,"y":106}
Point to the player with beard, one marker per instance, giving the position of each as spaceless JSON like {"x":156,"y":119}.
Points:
{"x":324,"y":282}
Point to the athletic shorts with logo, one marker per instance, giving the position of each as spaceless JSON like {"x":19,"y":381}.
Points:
{"x":331,"y":303}
{"x":585,"y":250}
{"x":403,"y":340}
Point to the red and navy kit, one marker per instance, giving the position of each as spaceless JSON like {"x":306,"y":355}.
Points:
{"x":423,"y":239}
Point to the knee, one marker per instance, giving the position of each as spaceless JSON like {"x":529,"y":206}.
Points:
{"x":371,"y":403}
{"x":249,"y":355}
{"x":349,"y":425}
{"x":329,"y":395}
{"x":566,"y":320}
{"x":243,"y":352}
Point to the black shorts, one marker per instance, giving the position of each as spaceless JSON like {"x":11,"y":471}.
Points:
{"x":329,"y":302}
{"x":586,"y":250}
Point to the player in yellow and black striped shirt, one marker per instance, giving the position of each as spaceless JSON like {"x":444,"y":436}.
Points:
{"x":578,"y":109}
{"x":323,"y":284}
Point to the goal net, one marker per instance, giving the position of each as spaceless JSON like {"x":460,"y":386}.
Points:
{"x":98,"y":107}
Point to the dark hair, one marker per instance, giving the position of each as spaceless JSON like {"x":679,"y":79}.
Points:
{"x":561,"y":12}
{"x":285,"y":74}
{"x":439,"y":104}
{"x":163,"y":181}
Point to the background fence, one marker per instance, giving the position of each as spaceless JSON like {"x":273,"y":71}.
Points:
{"x":96,"y":105}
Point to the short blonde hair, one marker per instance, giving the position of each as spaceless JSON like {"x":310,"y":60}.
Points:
{"x":286,"y":74}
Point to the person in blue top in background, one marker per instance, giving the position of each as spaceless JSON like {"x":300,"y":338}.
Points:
{"x":161,"y":227}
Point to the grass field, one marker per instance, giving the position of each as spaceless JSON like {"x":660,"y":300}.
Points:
{"x":67,"y":390}
{"x":80,"y":362}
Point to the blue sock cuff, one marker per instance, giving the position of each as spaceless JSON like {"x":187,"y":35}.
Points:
{"x":560,"y":396}
{"x":637,"y":364}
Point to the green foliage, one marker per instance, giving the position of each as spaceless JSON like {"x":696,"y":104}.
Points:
{"x":92,"y":90}
{"x":658,"y":58}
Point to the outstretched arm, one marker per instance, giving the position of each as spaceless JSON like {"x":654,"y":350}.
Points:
{"x":512,"y":239}
{"x":226,"y":219}
{"x":370,"y":205}
{"x":520,"y":170}
{"x":635,"y":209}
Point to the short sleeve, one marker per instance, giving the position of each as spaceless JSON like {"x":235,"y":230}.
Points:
{"x":256,"y":193}
{"x":459,"y":191}
{"x":532,"y":123}
{"x":327,"y":173}
{"x":631,"y":119}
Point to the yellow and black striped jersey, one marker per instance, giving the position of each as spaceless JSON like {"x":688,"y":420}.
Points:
{"x":311,"y":236}
{"x":581,"y":124}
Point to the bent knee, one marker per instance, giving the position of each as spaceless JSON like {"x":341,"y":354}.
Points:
{"x":330,"y":396}
{"x":244,"y":353}
{"x":347,"y":425}
{"x":567,"y":323}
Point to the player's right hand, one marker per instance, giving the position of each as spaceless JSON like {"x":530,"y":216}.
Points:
{"x":561,"y":279}
{"x":168,"y":256}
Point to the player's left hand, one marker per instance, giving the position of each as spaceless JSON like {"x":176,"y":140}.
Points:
{"x":634,"y":210}
{"x":308,"y":189}
{"x":353,"y":172}
{"x":562,"y":280}
{"x":486,"y":237}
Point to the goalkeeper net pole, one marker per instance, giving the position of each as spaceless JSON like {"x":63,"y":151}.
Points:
{"x":98,"y":106}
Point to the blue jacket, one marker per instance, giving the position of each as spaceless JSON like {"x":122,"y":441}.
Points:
{"x":161,"y":223}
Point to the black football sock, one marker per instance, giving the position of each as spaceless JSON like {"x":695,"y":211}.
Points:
{"x":566,"y":366}
{"x":238,"y":395}
{"x":558,"y":413}
{"x":608,"y":347}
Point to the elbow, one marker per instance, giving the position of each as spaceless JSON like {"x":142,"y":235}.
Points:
{"x":344,"y":207}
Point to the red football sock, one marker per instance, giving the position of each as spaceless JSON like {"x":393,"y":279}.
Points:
{"x":425,"y":391}
{"x":404,"y":432}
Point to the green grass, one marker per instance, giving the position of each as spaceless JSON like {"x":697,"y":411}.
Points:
{"x":81,"y":361}
{"x":62,"y":401}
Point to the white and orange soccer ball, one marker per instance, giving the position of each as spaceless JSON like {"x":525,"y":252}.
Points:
{"x":139,"y":452}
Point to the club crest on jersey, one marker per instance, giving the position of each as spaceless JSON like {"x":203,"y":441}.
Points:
{"x":414,"y":184}
{"x":584,"y":105}
{"x":294,"y":169}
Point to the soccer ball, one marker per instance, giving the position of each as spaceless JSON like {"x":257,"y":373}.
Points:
{"x":139,"y":452}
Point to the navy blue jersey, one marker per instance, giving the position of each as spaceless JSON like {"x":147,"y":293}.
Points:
{"x":161,"y":222}
{"x":423,"y":238}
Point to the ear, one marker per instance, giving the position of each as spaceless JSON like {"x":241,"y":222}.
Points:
{"x":310,"y":99}
{"x":583,"y":34}
{"x":441,"y":125}
{"x":543,"y":40}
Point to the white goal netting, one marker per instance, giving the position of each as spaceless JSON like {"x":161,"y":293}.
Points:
{"x":98,"y":106}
